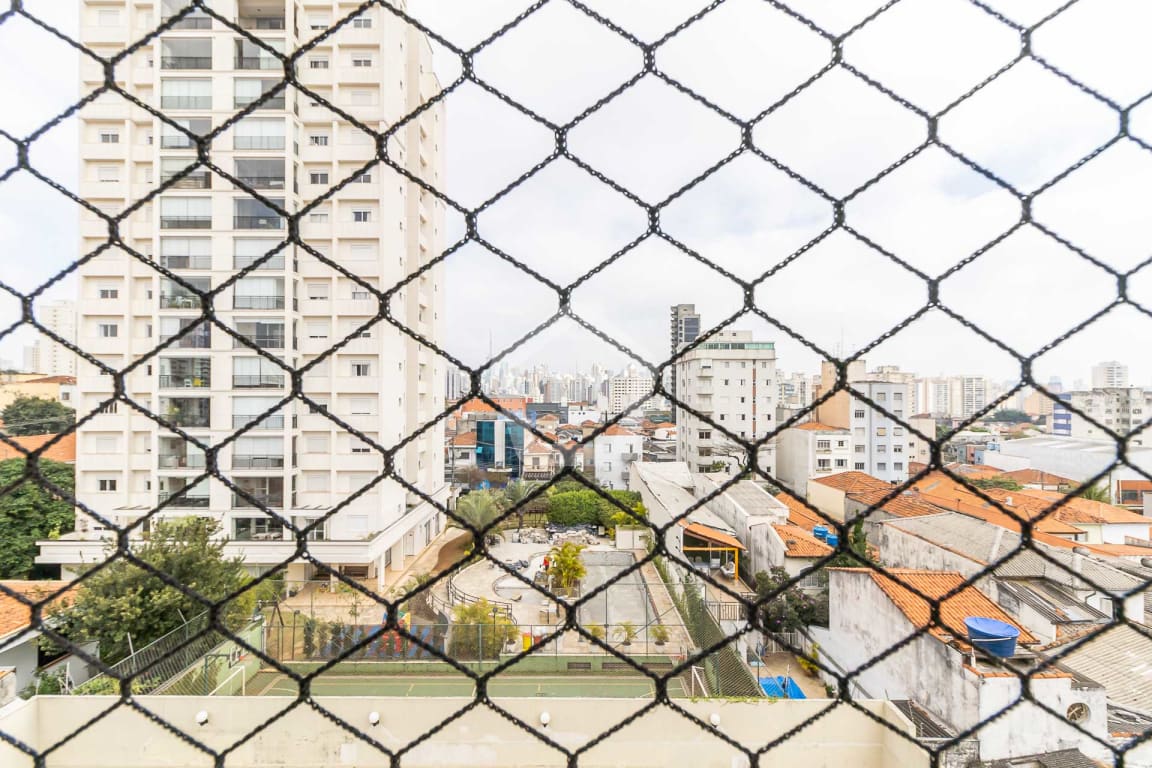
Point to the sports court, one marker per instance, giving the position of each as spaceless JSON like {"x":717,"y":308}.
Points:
{"x":271,"y":683}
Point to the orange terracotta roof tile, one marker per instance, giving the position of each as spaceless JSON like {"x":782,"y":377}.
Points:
{"x":798,"y":514}
{"x":464,"y":439}
{"x":1038,"y":477}
{"x":618,"y":431}
{"x":664,"y":425}
{"x":66,"y":380}
{"x":1135,"y":485}
{"x":711,"y":534}
{"x":942,"y":491}
{"x":815,"y":426}
{"x":64,"y":450}
{"x":539,"y":446}
{"x":588,"y":423}
{"x":15,"y":615}
{"x":969,"y":601}
{"x":1119,"y":550}
{"x":1086,"y":511}
{"x":852,"y":481}
{"x":905,"y":504}
{"x":507,"y":403}
{"x":799,"y":543}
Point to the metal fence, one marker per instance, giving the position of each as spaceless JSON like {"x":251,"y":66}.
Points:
{"x":714,"y":646}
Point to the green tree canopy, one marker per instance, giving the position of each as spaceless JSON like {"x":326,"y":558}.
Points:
{"x":1006,"y":483}
{"x":123,"y":599}
{"x":1011,"y":415}
{"x":36,"y":416}
{"x":31,"y":512}
{"x":478,"y":509}
{"x":567,"y":565}
{"x":1095,"y":493}
{"x":792,"y":608}
{"x":479,"y":631}
{"x":587,"y":507}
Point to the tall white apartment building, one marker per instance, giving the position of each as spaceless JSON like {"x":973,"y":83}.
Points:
{"x":277,"y":307}
{"x":1118,"y":410}
{"x":731,"y":379}
{"x":1109,"y":374}
{"x":880,"y":446}
{"x":45,"y":355}
{"x":629,"y":391}
{"x":957,"y":397}
{"x":811,"y":450}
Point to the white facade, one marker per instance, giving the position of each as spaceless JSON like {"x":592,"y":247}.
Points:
{"x":1111,"y":373}
{"x":615,"y":450}
{"x":731,"y":379}
{"x":47,"y":356}
{"x":880,"y":444}
{"x":1118,"y":409}
{"x":292,"y":307}
{"x":811,"y":450}
{"x":956,"y":397}
{"x":628,"y":393}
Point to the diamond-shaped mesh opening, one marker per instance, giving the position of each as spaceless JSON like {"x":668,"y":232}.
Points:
{"x":322,"y":432}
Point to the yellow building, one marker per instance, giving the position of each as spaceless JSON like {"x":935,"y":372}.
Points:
{"x":13,"y":386}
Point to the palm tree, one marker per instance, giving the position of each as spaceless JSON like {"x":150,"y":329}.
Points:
{"x":477,"y":510}
{"x":566,"y":564}
{"x":1095,"y":493}
{"x":514,"y":495}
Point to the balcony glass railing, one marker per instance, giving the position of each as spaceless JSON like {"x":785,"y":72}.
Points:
{"x":184,"y":381}
{"x":258,"y":381}
{"x":261,"y":22}
{"x":258,"y":62}
{"x":258,"y":142}
{"x":271,"y":500}
{"x":185,"y":62}
{"x":196,"y":180}
{"x":188,"y":502}
{"x":197,"y":261}
{"x":258,"y":222}
{"x":191,"y":341}
{"x":275,"y":261}
{"x":194,"y":21}
{"x":182,"y":461}
{"x":250,"y":461}
{"x":275,"y":421}
{"x":180,"y":301}
{"x":185,"y":222}
{"x":258,"y":302}
{"x":186,"y":419}
{"x":185,"y":102}
{"x":260,"y":342}
{"x":276,"y":102}
{"x":262,"y":182}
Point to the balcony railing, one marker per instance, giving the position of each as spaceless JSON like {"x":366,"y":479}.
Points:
{"x":276,"y":261}
{"x":182,"y":461}
{"x":258,"y":142}
{"x":191,"y":341}
{"x":198,"y":261}
{"x":187,"y":419}
{"x":200,"y":180}
{"x":189,"y":502}
{"x":258,"y":302}
{"x":188,"y":381}
{"x":258,"y":62}
{"x":275,"y":421}
{"x":276,"y":102}
{"x":186,"y":102}
{"x":250,"y":461}
{"x":261,"y":22}
{"x":262,"y":381}
{"x":193,"y":21}
{"x":271,"y":500}
{"x":185,"y":222}
{"x":262,"y":182}
{"x":257,"y":222}
{"x":260,"y":342}
{"x":176,"y":142}
{"x":185,"y":62}
{"x":257,"y":535}
{"x":180,"y":301}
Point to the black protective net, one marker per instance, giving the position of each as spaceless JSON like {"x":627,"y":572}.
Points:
{"x":297,"y":650}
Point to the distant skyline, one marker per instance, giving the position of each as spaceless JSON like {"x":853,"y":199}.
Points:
{"x":933,"y":212}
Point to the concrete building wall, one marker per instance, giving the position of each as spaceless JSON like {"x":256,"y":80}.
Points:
{"x":614,"y":454}
{"x":802,"y":454}
{"x":880,"y":443}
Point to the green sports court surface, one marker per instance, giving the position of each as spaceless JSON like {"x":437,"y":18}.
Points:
{"x":268,"y":683}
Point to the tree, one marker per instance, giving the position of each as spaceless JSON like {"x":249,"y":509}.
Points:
{"x":1007,"y":483}
{"x":514,"y":497}
{"x":31,"y":512}
{"x":789,"y":610}
{"x":122,"y":599}
{"x":36,"y":416}
{"x":478,"y":510}
{"x":575,"y":508}
{"x":857,"y":543}
{"x":1011,"y":416}
{"x":566,"y":565}
{"x":1095,"y":493}
{"x":480,"y":631}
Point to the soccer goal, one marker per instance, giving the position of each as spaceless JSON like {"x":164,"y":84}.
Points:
{"x":228,"y":686}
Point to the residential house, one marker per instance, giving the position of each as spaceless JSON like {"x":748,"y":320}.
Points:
{"x":811,"y":450}
{"x":615,"y":449}
{"x":21,"y":656}
{"x":830,"y":494}
{"x":799,"y":553}
{"x":541,"y":461}
{"x":60,"y":448}
{"x":750,"y":512}
{"x":14,"y":386}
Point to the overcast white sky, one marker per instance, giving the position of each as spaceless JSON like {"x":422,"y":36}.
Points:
{"x":747,"y":217}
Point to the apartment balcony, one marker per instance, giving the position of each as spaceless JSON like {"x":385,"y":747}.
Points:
{"x":257,"y":222}
{"x":180,"y":301}
{"x":185,"y":222}
{"x":274,"y":262}
{"x":706,"y":391}
{"x":187,"y":420}
{"x":269,"y":500}
{"x":260,"y":342}
{"x":194,"y":180}
{"x":199,"y":261}
{"x":181,"y":461}
{"x":168,"y":381}
{"x":262,"y":182}
{"x":190,"y":341}
{"x":194,"y":20}
{"x":183,"y":502}
{"x":179,"y":141}
{"x":273,"y":421}
{"x":705,"y":372}
{"x":252,"y":461}
{"x":258,"y":142}
{"x":258,"y":62}
{"x":185,"y":62}
{"x":257,"y":302}
{"x":276,"y":102}
{"x":262,"y":381}
{"x":260,"y":22}
{"x":186,"y":102}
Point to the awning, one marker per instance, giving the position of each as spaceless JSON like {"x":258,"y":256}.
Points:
{"x":712,"y":535}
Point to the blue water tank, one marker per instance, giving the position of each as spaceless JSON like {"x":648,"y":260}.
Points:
{"x":996,"y":638}
{"x":820,"y":532}
{"x":832,"y":540}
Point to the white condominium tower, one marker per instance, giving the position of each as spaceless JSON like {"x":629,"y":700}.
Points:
{"x":288,"y":306}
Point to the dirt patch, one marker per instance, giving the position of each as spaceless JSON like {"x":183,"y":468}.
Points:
{"x":452,"y":552}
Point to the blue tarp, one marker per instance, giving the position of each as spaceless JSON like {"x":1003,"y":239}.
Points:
{"x":781,"y":688}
